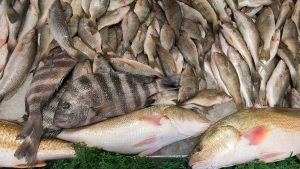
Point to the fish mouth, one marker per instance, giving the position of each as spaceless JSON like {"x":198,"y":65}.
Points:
{"x":62,"y":123}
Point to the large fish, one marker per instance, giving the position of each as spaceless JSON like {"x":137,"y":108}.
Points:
{"x":96,"y":97}
{"x":266,"y":134}
{"x":144,"y":131}
{"x":45,"y":82}
{"x":50,"y":149}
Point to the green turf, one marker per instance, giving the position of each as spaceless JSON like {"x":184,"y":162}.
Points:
{"x":93,"y":158}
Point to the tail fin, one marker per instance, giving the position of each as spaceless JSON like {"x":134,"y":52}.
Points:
{"x":265,"y":55}
{"x":168,"y":83}
{"x":12,"y":15}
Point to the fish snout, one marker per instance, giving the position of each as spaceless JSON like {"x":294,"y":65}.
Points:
{"x":63,"y":122}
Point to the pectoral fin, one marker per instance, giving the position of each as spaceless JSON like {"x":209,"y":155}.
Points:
{"x":149,"y":140}
{"x":37,"y":164}
{"x":256,"y":135}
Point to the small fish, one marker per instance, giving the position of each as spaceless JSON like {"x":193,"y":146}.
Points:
{"x":137,"y":45}
{"x":166,"y":60}
{"x":115,"y":5}
{"x":130,"y":26}
{"x":84,"y":48}
{"x":290,"y":37}
{"x":224,"y":44}
{"x":159,"y":126}
{"x":50,"y":149}
{"x":253,"y":11}
{"x":150,"y":45}
{"x":142,"y":58}
{"x":133,"y":67}
{"x":233,"y":4}
{"x":44,"y":7}
{"x":77,"y":9}
{"x":192,"y":29}
{"x":165,"y":98}
{"x":179,"y":60}
{"x":7,"y":9}
{"x":97,"y":9}
{"x":29,"y":22}
{"x":73,"y":25}
{"x":259,"y":136}
{"x":189,"y":84}
{"x":275,"y":6}
{"x":277,"y":84}
{"x":220,"y":8}
{"x":142,"y":9}
{"x":113,"y":18}
{"x":167,"y":36}
{"x":208,"y":98}
{"x":173,"y":14}
{"x":274,"y":44}
{"x":101,"y":65}
{"x":296,"y":16}
{"x":3,"y":30}
{"x":253,"y":3}
{"x":286,"y":11}
{"x":3,"y":58}
{"x":294,"y":98}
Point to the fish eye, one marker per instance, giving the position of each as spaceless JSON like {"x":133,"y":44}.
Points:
{"x":65,"y":105}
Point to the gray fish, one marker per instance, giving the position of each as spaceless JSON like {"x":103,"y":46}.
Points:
{"x":3,"y":30}
{"x":142,"y":58}
{"x":253,"y":3}
{"x":192,"y":29}
{"x":167,"y":36}
{"x":29,"y":22}
{"x":7,"y":9}
{"x":81,"y":68}
{"x":44,"y":7}
{"x":97,"y":9}
{"x":96,"y":97}
{"x":296,"y":16}
{"x":45,"y":82}
{"x":179,"y":60}
{"x":189,"y":84}
{"x":275,"y":6}
{"x":3,"y":58}
{"x":84,"y":48}
{"x":220,"y":6}
{"x":130,"y":26}
{"x":142,"y":9}
{"x":173,"y":14}
{"x":113,"y":18}
{"x":114,"y":5}
{"x":286,"y":11}
{"x":101,"y":65}
{"x":166,"y":60}
{"x":137,"y":45}
{"x":85,"y":4}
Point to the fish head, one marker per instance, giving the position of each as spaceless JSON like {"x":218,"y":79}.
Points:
{"x":216,"y":148}
{"x":73,"y":111}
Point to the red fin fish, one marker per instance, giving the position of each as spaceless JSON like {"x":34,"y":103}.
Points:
{"x":152,"y":119}
{"x":256,"y":135}
{"x":149,"y":140}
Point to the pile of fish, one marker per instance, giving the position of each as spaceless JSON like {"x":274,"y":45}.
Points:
{"x":146,"y":71}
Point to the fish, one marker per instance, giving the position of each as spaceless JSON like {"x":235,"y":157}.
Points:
{"x":166,"y":60}
{"x":142,"y":9}
{"x":133,"y":67}
{"x":3,"y":58}
{"x":220,"y":8}
{"x":179,"y":61}
{"x":3,"y":30}
{"x":207,"y":11}
{"x":253,"y":11}
{"x":168,"y":97}
{"x":130,"y":26}
{"x":268,"y":134}
{"x":243,"y":73}
{"x":142,"y":58}
{"x":232,"y":4}
{"x":286,"y":11}
{"x":189,"y":84}
{"x":29,"y":23}
{"x":89,"y":98}
{"x":250,"y":34}
{"x":113,"y":18}
{"x":167,"y":36}
{"x":81,"y":68}
{"x":253,"y":3}
{"x":97,"y":9}
{"x":266,"y":26}
{"x":274,"y":44}
{"x":230,"y":78}
{"x":101,"y":65}
{"x":290,"y":37}
{"x":296,"y":16}
{"x":150,"y":45}
{"x":68,"y":11}
{"x":7,"y":9}
{"x":86,"y":6}
{"x":277,"y":84}
{"x":19,"y":64}
{"x":84,"y":48}
{"x":294,"y":98}
{"x":192,"y":29}
{"x":44,"y":7}
{"x":59,"y":29}
{"x":159,"y":126}
{"x":73,"y":25}
{"x":173,"y":14}
{"x":45,"y":82}
{"x":50,"y":149}
{"x":76,"y":7}
{"x":115,"y":5}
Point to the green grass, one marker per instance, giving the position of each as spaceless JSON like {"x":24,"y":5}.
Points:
{"x":93,"y":158}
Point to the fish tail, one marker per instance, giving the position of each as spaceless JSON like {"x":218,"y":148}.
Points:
{"x":262,"y":97}
{"x":12,"y":15}
{"x":265,"y":54}
{"x":168,"y":83}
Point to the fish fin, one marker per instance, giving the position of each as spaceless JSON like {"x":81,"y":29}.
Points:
{"x":148,"y":152}
{"x":12,"y":15}
{"x":172,"y":81}
{"x":148,"y":140}
{"x":270,"y":156}
{"x":256,"y":135}
{"x":149,"y":102}
{"x":153,"y":119}
{"x":36,"y":164}
{"x":264,"y":54}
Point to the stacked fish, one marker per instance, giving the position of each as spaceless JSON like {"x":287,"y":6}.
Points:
{"x":153,"y":64}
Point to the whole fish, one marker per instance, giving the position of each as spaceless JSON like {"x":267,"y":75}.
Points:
{"x":137,"y":45}
{"x":268,"y":135}
{"x":168,"y":97}
{"x":45,"y":82}
{"x":3,"y":58}
{"x":173,"y":14}
{"x":59,"y":29}
{"x":277,"y":84}
{"x":29,"y":22}
{"x":7,"y":9}
{"x":50,"y":149}
{"x":189,"y":84}
{"x":97,"y":9}
{"x":296,"y":16}
{"x":142,"y":9}
{"x":167,"y":36}
{"x":220,"y":8}
{"x":290,"y":37}
{"x":130,"y":26}
{"x":224,"y":44}
{"x":253,"y":3}
{"x":44,"y":7}
{"x":179,"y":60}
{"x":115,"y":5}
{"x":19,"y":64}
{"x":166,"y":60}
{"x":84,"y":48}
{"x":150,"y":45}
{"x":113,"y":18}
{"x":286,"y":11}
{"x":89,"y":98}
{"x":159,"y":126}
{"x":243,"y":73}
{"x":3,"y":30}
{"x":142,"y":58}
{"x":192,"y":29}
{"x":274,"y":44}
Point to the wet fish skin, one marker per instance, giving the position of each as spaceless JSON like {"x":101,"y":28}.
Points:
{"x":3,"y":30}
{"x":59,"y":29}
{"x":142,"y":9}
{"x":219,"y":6}
{"x":84,"y":48}
{"x":277,"y":84}
{"x":150,"y":45}
{"x":29,"y":22}
{"x":7,"y":9}
{"x":192,"y":29}
{"x":81,"y":68}
{"x":173,"y":124}
{"x":78,"y":107}
{"x":290,"y":37}
{"x":85,"y":4}
{"x":253,"y":11}
{"x":213,"y":147}
{"x":100,"y":65}
{"x":166,"y":60}
{"x":3,"y":58}
{"x":115,"y":5}
{"x":173,"y":14}
{"x":44,"y":7}
{"x":142,"y":58}
{"x":97,"y":9}
{"x":50,"y":149}
{"x":179,"y":60}
{"x":113,"y":18}
{"x":130,"y":26}
{"x":286,"y":11}
{"x":73,"y":25}
{"x":167,"y":36}
{"x":253,"y":3}
{"x":189,"y":85}
{"x":274,"y":44}
{"x":296,"y":16}
{"x":137,"y":45}
{"x":168,"y":97}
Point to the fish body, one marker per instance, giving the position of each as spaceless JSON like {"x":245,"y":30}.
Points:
{"x":142,"y":9}
{"x":98,"y":8}
{"x":296,"y":16}
{"x":189,"y":84}
{"x":113,"y":18}
{"x":143,"y":132}
{"x":130,"y":26}
{"x":166,"y":60}
{"x":3,"y":58}
{"x":173,"y":14}
{"x":220,"y":8}
{"x":95,"y":97}
{"x":29,"y":22}
{"x":167,"y":36}
{"x":3,"y":30}
{"x":253,"y":3}
{"x":286,"y":11}
{"x":137,"y":44}
{"x":268,"y":135}
{"x":115,"y":5}
{"x":7,"y":9}
{"x":44,"y":7}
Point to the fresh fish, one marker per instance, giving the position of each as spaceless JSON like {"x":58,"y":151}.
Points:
{"x":81,"y":68}
{"x":89,"y":98}
{"x":268,"y":135}
{"x":165,"y":98}
{"x":277,"y":84}
{"x":45,"y":82}
{"x":230,"y":78}
{"x":84,"y":48}
{"x":166,"y":60}
{"x":112,"y":42}
{"x":150,"y":45}
{"x":85,"y":4}
{"x":192,"y":29}
{"x":142,"y":58}
{"x":97,"y":9}
{"x":137,"y":45}
{"x":115,"y":5}
{"x":274,"y":44}
{"x":159,"y":126}
{"x":290,"y":37}
{"x":89,"y":35}
{"x":7,"y":9}
{"x":244,"y":75}
{"x":59,"y":29}
{"x":250,"y":34}
{"x":253,"y":11}
{"x":44,"y":7}
{"x":50,"y":149}
{"x":142,"y":9}
{"x":167,"y":36}
{"x":173,"y":14}
{"x":77,"y":9}
{"x":179,"y":60}
{"x":224,"y":44}
{"x":19,"y":64}
{"x":67,"y":8}
{"x":220,"y":8}
{"x":101,"y":65}
{"x":208,"y":98}
{"x":233,"y":4}
{"x":189,"y":84}
{"x":286,"y":11}
{"x":3,"y":58}
{"x":113,"y":18}
{"x":235,"y":39}
{"x":133,"y":67}
{"x":3,"y":30}
{"x":294,"y":99}
{"x":266,"y":26}
{"x":207,"y":11}
{"x":296,"y":16}
{"x":192,"y":14}
{"x":29,"y":22}
{"x":253,"y":3}
{"x":130,"y":26}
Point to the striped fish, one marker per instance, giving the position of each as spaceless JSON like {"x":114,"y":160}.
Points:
{"x":45,"y":82}
{"x":95,"y":97}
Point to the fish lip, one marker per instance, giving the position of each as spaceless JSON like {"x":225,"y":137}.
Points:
{"x":61,"y":123}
